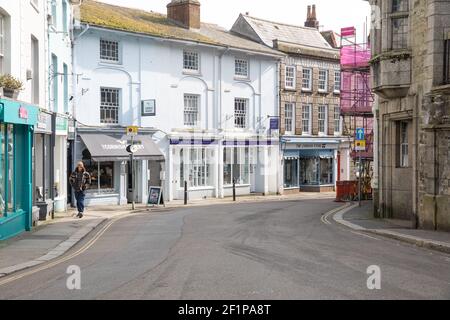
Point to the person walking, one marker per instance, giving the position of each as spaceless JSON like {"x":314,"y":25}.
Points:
{"x":80,"y":180}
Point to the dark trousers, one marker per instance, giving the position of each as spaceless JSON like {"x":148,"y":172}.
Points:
{"x":79,"y":195}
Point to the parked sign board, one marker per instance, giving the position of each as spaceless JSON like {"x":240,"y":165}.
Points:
{"x":155,"y":196}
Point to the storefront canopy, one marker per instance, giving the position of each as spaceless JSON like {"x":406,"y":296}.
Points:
{"x":104,"y":147}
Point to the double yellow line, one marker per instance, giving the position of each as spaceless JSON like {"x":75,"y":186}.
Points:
{"x":325,"y":216}
{"x":58,"y":261}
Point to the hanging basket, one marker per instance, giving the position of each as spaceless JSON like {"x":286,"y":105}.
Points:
{"x":11,"y":93}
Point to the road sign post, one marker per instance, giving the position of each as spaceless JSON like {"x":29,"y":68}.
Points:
{"x":360,"y":146}
{"x":132,"y":131}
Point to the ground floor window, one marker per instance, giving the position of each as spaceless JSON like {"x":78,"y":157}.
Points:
{"x":7,"y":190}
{"x":195,"y":167}
{"x":236,"y":165}
{"x":316,"y":171}
{"x":102,"y":174}
{"x":41,"y":167}
{"x":291,"y":173}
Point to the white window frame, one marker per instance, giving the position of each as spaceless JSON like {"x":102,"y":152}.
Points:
{"x":310,"y":79}
{"x":2,"y":44}
{"x":186,"y":67}
{"x":337,"y":81}
{"x":241,"y":68}
{"x":191,"y":117}
{"x":110,"y":59}
{"x":109,"y":105}
{"x":289,"y":116}
{"x":290,"y":81}
{"x":195,"y":163}
{"x":243,"y":157}
{"x":337,"y":120}
{"x":54,"y":11}
{"x":322,"y":116}
{"x":241,"y":114}
{"x":323,"y":88}
{"x":309,"y":131}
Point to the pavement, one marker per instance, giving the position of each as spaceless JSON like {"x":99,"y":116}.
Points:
{"x":256,"y":250}
{"x":361,"y":219}
{"x":52,"y":239}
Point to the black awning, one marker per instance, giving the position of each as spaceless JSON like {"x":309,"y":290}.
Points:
{"x":103,"y":147}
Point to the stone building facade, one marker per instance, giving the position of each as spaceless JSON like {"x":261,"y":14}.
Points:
{"x":315,"y":153}
{"x":410,"y":65}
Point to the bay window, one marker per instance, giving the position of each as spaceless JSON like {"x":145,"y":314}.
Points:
{"x":236,"y":166}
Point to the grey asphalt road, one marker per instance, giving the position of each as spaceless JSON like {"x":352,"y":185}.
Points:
{"x":265,"y":250}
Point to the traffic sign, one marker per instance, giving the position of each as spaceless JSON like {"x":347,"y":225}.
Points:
{"x":360,"y":145}
{"x":132,"y":131}
{"x":360,"y":134}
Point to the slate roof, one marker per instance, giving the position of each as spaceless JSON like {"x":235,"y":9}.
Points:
{"x":155,"y":24}
{"x":268,"y":31}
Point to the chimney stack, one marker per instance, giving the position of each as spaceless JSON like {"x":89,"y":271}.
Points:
{"x":311,"y":18}
{"x":185,"y":12}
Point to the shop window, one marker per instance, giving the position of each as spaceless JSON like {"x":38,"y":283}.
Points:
{"x":195,"y":167}
{"x":316,"y":170}
{"x":7,"y":185}
{"x":42,"y":156}
{"x":291,"y":173}
{"x":236,"y":166}
{"x":102,"y":174}
{"x":326,"y":171}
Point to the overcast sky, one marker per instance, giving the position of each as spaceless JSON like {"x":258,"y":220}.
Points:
{"x":332,"y":14}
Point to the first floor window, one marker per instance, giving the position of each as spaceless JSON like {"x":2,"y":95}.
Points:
{"x":236,"y":165}
{"x":323,"y":80}
{"x":195,"y":167}
{"x":191,"y":110}
{"x":109,"y":105}
{"x":290,"y":77}
{"x":306,"y":119}
{"x":240,"y":113}
{"x":289,"y":117}
{"x":403,"y":144}
{"x":400,"y":5}
{"x":337,"y":81}
{"x":337,"y":119}
{"x":2,"y":43}
{"x":109,"y":50}
{"x":307,"y":79}
{"x":102,"y":174}
{"x":400,"y":33}
{"x":322,"y":116}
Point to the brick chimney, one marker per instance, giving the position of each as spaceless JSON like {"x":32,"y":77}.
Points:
{"x":185,"y":12}
{"x":311,"y":18}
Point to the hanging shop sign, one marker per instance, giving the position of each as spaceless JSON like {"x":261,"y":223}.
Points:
{"x":61,"y":126}
{"x":44,"y":123}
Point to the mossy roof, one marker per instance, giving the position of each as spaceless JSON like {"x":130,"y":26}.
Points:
{"x":155,"y":24}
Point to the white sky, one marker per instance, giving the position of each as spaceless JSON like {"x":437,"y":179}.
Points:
{"x":332,"y":14}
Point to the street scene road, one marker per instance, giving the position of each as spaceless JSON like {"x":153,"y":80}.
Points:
{"x":261,"y":250}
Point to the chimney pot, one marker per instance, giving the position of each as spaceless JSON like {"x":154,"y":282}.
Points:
{"x":185,"y":12}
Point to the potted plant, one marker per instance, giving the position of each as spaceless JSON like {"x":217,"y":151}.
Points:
{"x":11,"y":86}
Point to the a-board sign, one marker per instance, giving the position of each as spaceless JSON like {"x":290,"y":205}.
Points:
{"x":155,"y":196}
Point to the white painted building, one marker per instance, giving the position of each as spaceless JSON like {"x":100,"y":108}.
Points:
{"x":206,"y":97}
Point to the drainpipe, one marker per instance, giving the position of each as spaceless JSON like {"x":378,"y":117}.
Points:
{"x":436,"y":176}
{"x":220,"y":86}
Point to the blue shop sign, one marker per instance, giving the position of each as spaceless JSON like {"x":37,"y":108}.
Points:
{"x":274,"y":124}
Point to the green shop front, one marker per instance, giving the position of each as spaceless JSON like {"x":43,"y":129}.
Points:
{"x":17,"y":121}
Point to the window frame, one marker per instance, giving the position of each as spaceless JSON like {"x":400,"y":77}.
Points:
{"x":2,"y":43}
{"x":241,"y":115}
{"x":188,"y":70}
{"x":325,"y":119}
{"x":337,"y":89}
{"x":310,"y":79}
{"x":325,"y":89}
{"x":403,"y":144}
{"x":393,"y":8}
{"x":247,"y":63}
{"x":243,"y":158}
{"x":400,"y":40}
{"x":118,"y":106}
{"x":447,"y":61}
{"x":110,"y":60}
{"x":309,"y":131}
{"x":292,"y":118}
{"x":197,"y":98}
{"x":337,"y":111}
{"x":291,"y":78}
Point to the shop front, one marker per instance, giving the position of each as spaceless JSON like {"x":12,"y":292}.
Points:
{"x":43,"y":162}
{"x":16,"y":137}
{"x":113,"y":177}
{"x":310,"y":166}
{"x":61,"y":125}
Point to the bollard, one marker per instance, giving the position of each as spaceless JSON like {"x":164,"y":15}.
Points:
{"x":185,"y":193}
{"x":234,"y":190}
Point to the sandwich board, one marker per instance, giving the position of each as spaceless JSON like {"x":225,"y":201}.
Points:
{"x":155,"y":197}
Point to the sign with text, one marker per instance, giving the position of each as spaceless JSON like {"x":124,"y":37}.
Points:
{"x":132,"y":131}
{"x":360,"y":145}
{"x":155,"y":196}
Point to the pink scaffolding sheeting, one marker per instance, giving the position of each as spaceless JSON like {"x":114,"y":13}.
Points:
{"x":356,"y":95}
